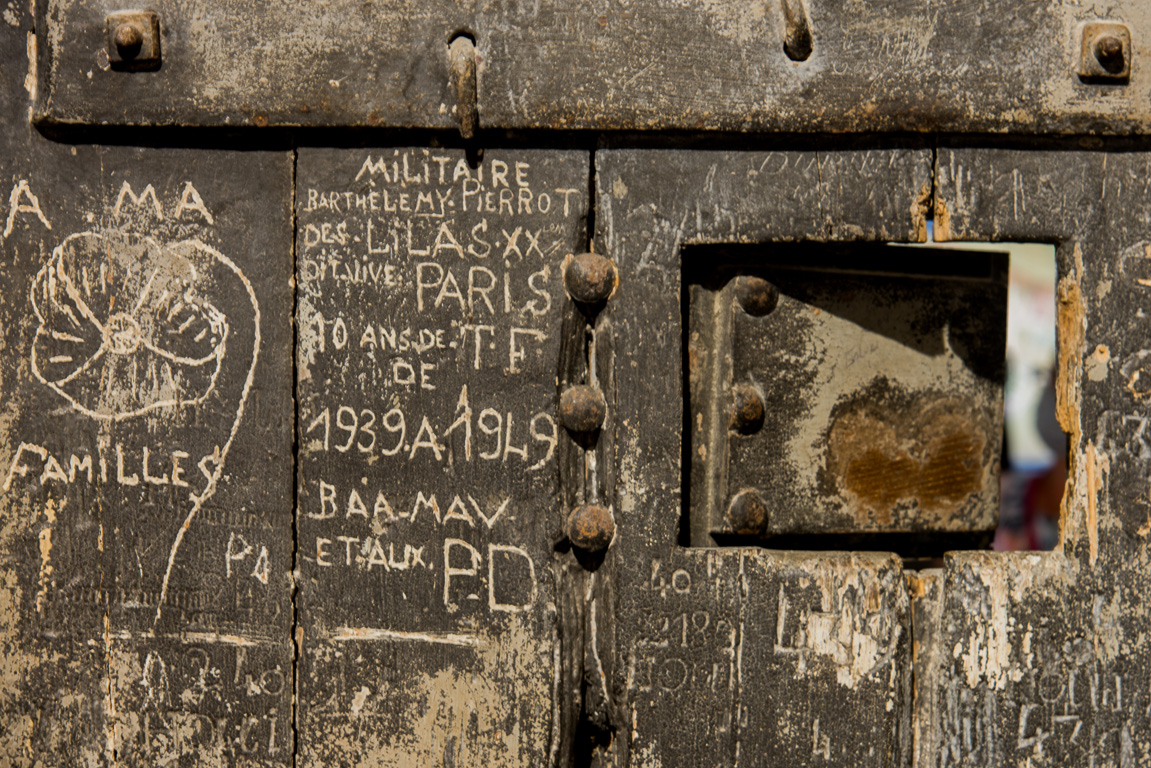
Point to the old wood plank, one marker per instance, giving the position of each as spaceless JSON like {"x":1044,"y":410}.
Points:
{"x":145,"y":450}
{"x":431,"y":348}
{"x":1048,"y":649}
{"x":927,"y":654}
{"x":585,"y":64}
{"x":737,"y":641}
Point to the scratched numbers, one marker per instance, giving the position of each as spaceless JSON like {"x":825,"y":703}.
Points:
{"x":185,"y":697}
{"x":358,"y":424}
{"x":688,"y":650}
{"x":489,"y":434}
{"x":685,"y":630}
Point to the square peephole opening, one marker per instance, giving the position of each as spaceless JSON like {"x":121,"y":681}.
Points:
{"x":871,"y":396}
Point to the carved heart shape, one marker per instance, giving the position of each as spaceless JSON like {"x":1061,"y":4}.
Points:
{"x":130,"y":328}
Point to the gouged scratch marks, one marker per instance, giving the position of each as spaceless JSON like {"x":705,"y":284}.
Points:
{"x":46,"y":569}
{"x":346,"y":634}
{"x":1071,"y":317}
{"x":109,"y":688}
{"x":225,"y":639}
{"x":557,"y":687}
{"x":1091,"y":468}
{"x":920,"y":207}
{"x":190,"y":638}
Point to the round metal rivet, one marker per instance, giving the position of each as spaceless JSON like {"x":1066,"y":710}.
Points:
{"x":591,"y":527}
{"x":582,"y":409}
{"x":590,"y":278}
{"x":757,"y":296}
{"x":747,"y":514}
{"x":1109,"y":52}
{"x":128,"y":37}
{"x":747,"y":409}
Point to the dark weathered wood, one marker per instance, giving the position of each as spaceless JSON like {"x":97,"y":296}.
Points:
{"x":443,"y":614}
{"x":145,"y":529}
{"x":927,"y":650}
{"x":972,"y":66}
{"x":1048,"y":651}
{"x":719,"y":648}
{"x":430,"y":304}
{"x":235,"y":63}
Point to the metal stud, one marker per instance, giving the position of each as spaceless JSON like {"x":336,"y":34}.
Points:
{"x":133,"y":40}
{"x":747,"y":410}
{"x":462,"y":63}
{"x":797,"y":43}
{"x":582,"y":409}
{"x":1105,"y":52}
{"x":1109,"y":53}
{"x":747,"y":514}
{"x":128,"y":38}
{"x":757,"y":296}
{"x":590,"y":278}
{"x":591,"y":527}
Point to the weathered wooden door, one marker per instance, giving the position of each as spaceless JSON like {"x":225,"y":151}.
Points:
{"x":548,"y":384}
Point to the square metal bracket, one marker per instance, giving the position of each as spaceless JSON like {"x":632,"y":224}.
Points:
{"x":1105,"y":52}
{"x":133,"y":40}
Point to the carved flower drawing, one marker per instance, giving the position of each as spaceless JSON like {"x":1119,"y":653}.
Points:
{"x":124,"y":325}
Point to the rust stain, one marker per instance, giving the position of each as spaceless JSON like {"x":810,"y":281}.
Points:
{"x":930,"y":453}
{"x":916,"y":585}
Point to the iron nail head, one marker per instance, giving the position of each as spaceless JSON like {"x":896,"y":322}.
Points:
{"x":590,"y":278}
{"x":757,"y":296}
{"x":582,"y":409}
{"x":747,"y":514}
{"x":591,"y":527}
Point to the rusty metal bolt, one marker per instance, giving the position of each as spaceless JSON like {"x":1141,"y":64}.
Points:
{"x":591,"y":527}
{"x":797,"y":42}
{"x":747,"y":409}
{"x":128,"y":38}
{"x":757,"y":296}
{"x":462,"y":63}
{"x":590,"y":278}
{"x":132,"y":40}
{"x":747,"y":514}
{"x":1105,"y":52}
{"x":1109,"y":53}
{"x":582,"y":409}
